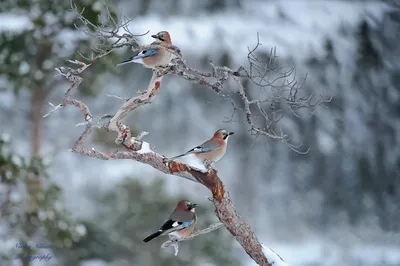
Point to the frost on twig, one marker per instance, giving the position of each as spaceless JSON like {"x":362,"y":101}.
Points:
{"x":174,"y":242}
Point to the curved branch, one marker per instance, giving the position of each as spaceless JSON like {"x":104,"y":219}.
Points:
{"x":282,"y":93}
{"x":141,"y":151}
{"x":225,"y":210}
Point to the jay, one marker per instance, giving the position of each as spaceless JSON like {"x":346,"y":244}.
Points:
{"x":210,"y":151}
{"x":154,"y":57}
{"x":180,"y":224}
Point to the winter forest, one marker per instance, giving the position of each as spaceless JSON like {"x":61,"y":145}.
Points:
{"x":311,"y":90}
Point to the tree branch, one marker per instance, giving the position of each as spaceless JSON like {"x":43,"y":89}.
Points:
{"x":278,"y":93}
{"x":141,"y":151}
{"x":174,"y":242}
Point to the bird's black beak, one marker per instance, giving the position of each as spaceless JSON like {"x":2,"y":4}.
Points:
{"x":154,"y":36}
{"x":231,"y":133}
{"x":124,"y":62}
{"x":194,"y":205}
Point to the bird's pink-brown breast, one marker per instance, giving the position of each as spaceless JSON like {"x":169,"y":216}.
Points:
{"x":159,"y":59}
{"x":185,"y":232}
{"x":214,"y":155}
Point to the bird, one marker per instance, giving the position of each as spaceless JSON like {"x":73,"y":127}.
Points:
{"x":212,"y":150}
{"x":154,"y":57}
{"x":180,"y":224}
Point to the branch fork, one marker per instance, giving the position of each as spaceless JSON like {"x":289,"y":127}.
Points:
{"x":141,"y":151}
{"x":286,"y":93}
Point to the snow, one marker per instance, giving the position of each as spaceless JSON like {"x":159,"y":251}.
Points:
{"x":24,"y":68}
{"x":273,"y":257}
{"x":302,"y":32}
{"x":15,"y":23}
{"x":145,"y":148}
{"x":68,"y":39}
{"x":193,"y":162}
{"x":329,"y":251}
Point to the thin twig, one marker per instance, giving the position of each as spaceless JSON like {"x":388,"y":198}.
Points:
{"x":174,"y":242}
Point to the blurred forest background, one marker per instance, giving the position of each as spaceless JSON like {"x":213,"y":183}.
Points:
{"x":338,"y":204}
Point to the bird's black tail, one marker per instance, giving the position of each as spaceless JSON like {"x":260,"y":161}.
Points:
{"x":176,"y":157}
{"x":150,"y":237}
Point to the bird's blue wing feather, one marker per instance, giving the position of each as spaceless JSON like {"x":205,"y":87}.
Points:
{"x":186,"y":224}
{"x":144,"y":54}
{"x":207,"y":146}
{"x":149,"y":53}
{"x":201,"y":149}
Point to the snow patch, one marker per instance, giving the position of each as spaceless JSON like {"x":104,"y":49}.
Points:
{"x":273,"y":257}
{"x":145,"y":148}
{"x":15,"y":22}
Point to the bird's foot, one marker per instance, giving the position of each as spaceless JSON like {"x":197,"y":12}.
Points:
{"x":166,"y":160}
{"x":173,"y":238}
{"x":208,"y":165}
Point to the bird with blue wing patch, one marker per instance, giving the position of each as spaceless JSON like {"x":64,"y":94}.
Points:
{"x":212,"y":150}
{"x":155,"y":57}
{"x":180,"y":224}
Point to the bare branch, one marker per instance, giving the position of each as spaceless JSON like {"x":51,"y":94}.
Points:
{"x":174,"y":242}
{"x":55,"y":108}
{"x":117,"y":97}
{"x":135,"y":102}
{"x":108,"y":36}
{"x":141,"y":151}
{"x":279,"y":93}
{"x":73,"y":76}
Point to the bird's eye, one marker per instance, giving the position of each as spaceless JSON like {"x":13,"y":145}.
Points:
{"x":143,"y":52}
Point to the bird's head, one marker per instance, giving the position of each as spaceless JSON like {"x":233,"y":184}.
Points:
{"x":162,"y":36}
{"x":222,"y":134}
{"x":186,"y":205}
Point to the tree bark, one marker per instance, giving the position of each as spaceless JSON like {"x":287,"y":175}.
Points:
{"x":33,"y":184}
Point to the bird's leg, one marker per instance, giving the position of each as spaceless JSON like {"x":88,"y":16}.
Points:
{"x":208,"y":164}
{"x":165,"y":67}
{"x":173,"y":238}
{"x":144,"y":92}
{"x":166,"y":160}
